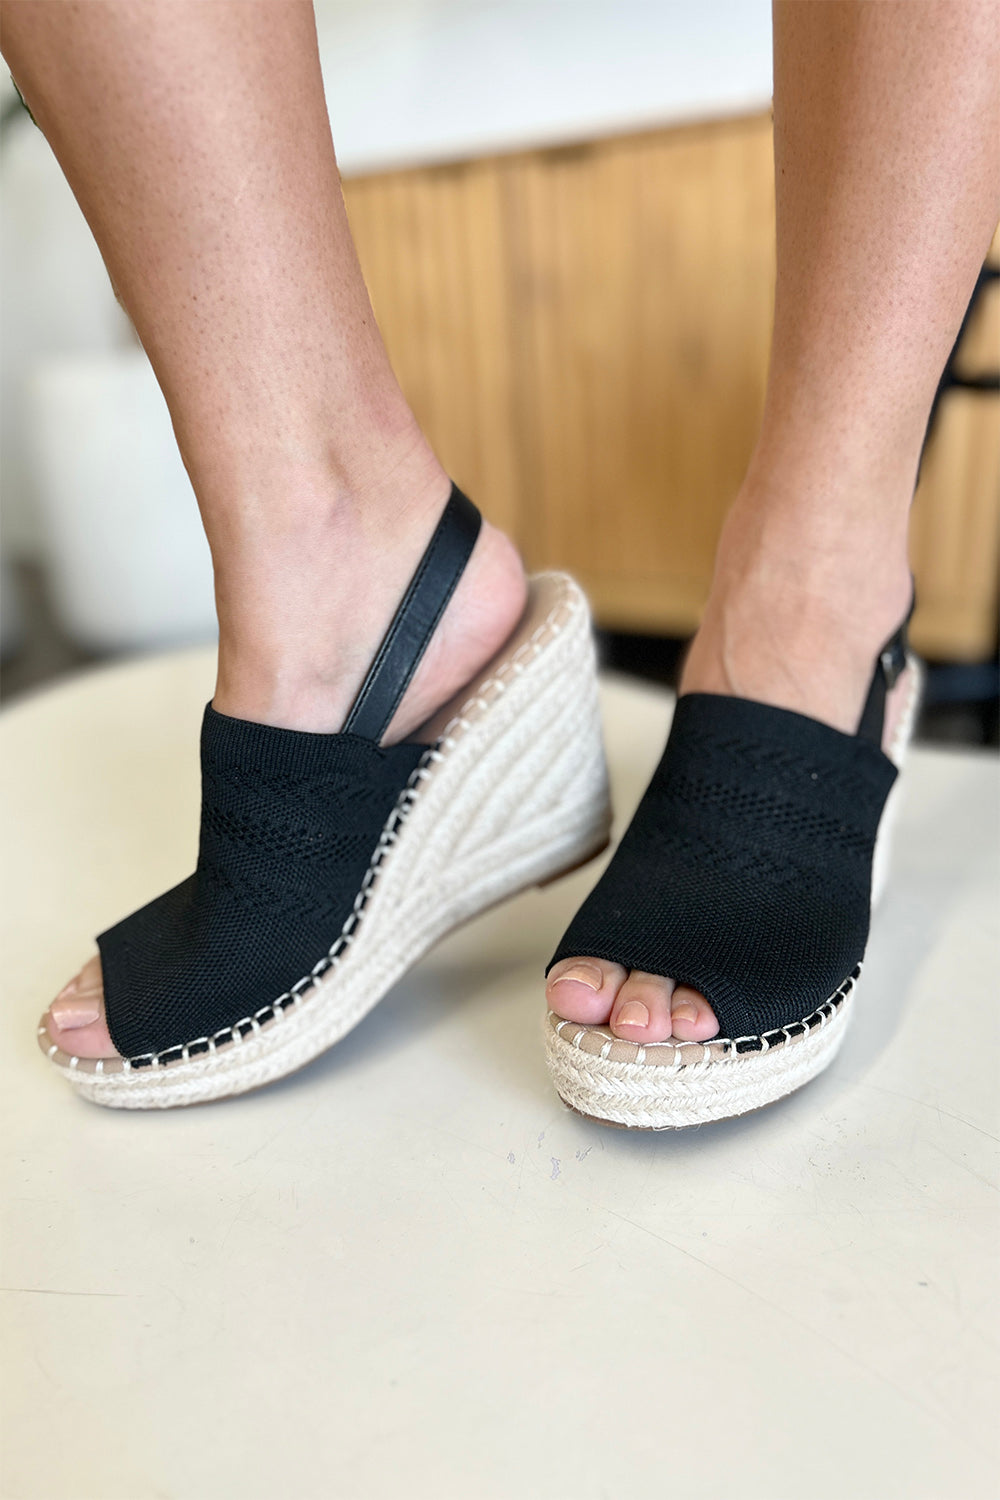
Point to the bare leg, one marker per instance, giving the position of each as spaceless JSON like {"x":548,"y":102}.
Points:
{"x":887,"y":161}
{"x":196,"y":139}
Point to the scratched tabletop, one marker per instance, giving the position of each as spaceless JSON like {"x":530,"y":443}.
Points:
{"x":409,"y":1272}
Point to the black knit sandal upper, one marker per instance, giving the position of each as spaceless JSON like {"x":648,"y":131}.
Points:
{"x":746,"y":870}
{"x":289,"y":824}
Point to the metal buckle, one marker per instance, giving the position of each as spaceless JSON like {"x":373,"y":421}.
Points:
{"x":893,"y":662}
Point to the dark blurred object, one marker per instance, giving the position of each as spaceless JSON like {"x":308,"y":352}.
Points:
{"x":654,"y":658}
{"x":961,"y":704}
{"x":39,"y":651}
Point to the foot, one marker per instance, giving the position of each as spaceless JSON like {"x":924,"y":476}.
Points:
{"x":279,"y":677}
{"x":780,"y":628}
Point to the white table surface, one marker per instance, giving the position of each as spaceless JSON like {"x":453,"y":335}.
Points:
{"x":408,"y":1271}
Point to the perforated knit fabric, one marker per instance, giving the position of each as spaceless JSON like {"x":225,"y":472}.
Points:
{"x":289,"y":823}
{"x":746,"y":870}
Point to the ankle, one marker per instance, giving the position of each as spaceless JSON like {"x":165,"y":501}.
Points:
{"x":800,"y":606}
{"x":304,"y":518}
{"x":305,"y":600}
{"x":833,"y":557}
{"x":289,"y":503}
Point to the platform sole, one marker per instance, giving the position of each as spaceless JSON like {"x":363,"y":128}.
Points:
{"x":671,"y":1085}
{"x":513,"y":793}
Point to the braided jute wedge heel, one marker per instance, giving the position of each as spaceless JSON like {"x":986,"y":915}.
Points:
{"x":328,"y":864}
{"x":748,"y":872}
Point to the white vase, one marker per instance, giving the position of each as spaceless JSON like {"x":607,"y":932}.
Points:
{"x":128,"y":563}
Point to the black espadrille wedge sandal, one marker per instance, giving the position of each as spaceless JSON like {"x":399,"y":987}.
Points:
{"x":328,"y":863}
{"x":748,"y":872}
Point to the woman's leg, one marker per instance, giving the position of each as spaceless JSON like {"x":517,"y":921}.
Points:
{"x":194,"y":134}
{"x":887,"y":163}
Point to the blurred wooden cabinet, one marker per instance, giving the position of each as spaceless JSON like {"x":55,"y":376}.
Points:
{"x":584,"y":335}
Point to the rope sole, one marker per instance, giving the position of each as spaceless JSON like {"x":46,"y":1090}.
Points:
{"x":513,"y":792}
{"x":670,"y":1085}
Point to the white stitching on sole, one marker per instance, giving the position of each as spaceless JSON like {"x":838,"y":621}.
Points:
{"x":555,"y":783}
{"x":646,"y":1096}
{"x":595,"y":1088}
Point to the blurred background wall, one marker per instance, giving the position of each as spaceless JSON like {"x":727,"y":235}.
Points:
{"x":564,"y":211}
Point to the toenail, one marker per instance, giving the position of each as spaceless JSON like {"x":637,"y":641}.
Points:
{"x":587,"y":974}
{"x":73,"y":1013}
{"x":684,"y":1012}
{"x":69,"y":988}
{"x":632,"y":1013}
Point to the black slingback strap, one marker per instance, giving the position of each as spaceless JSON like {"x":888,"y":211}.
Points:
{"x":416,"y":619}
{"x":888,"y":669}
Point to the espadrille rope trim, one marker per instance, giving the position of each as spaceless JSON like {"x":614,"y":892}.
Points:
{"x":677,"y":1055}
{"x":463,"y":721}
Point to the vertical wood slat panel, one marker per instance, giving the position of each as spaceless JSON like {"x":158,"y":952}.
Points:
{"x":583,"y":333}
{"x":642,"y":273}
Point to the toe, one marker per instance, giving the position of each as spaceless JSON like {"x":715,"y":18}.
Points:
{"x":75,"y":1020}
{"x":584,"y":989}
{"x":642,"y":1011}
{"x":691,"y":1017}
